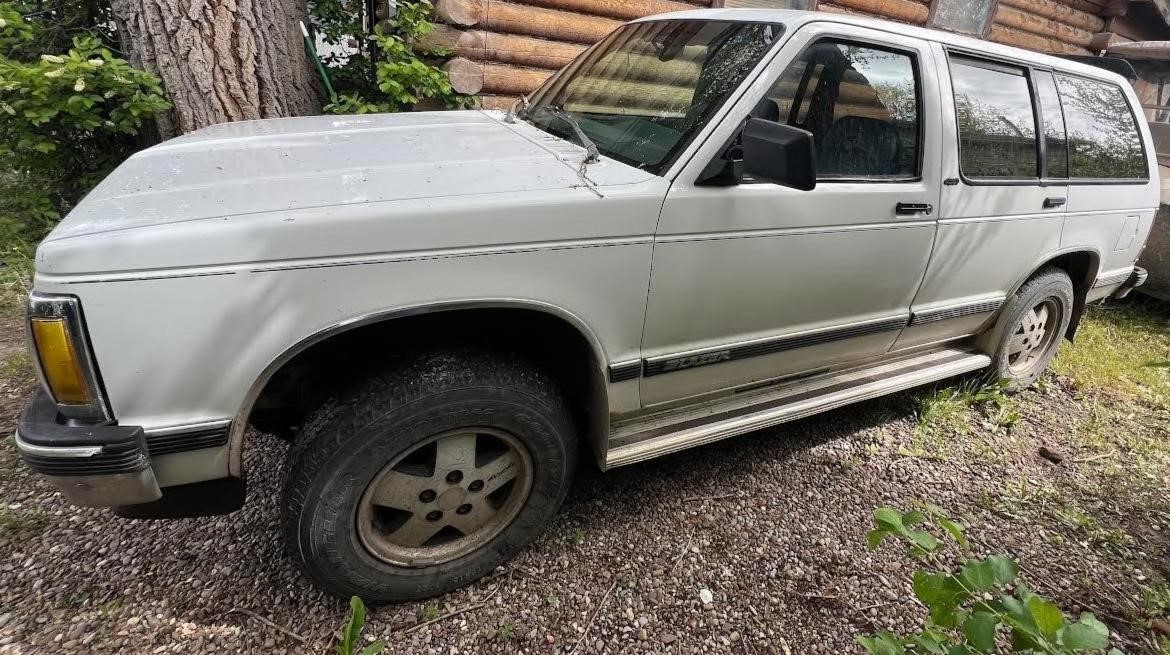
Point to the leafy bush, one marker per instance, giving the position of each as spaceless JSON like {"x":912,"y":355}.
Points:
{"x":396,"y":73}
{"x":70,"y":111}
{"x":979,"y":604}
{"x":65,"y":121}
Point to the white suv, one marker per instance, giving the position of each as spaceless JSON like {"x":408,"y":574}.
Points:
{"x":711,"y":222}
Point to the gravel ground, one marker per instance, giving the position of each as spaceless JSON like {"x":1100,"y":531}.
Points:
{"x":771,"y":525}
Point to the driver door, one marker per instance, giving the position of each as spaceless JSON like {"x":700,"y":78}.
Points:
{"x":759,"y":282}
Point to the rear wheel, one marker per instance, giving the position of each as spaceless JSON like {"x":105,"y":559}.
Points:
{"x":1030,"y":327}
{"x":425,"y":478}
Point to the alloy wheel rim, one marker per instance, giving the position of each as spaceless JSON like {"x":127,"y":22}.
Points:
{"x":445,"y":497}
{"x":1033,"y":336}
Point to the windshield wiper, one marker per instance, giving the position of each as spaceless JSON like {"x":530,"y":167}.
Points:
{"x":592,"y":154}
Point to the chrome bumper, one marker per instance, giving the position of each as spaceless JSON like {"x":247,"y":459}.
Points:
{"x":92,"y":465}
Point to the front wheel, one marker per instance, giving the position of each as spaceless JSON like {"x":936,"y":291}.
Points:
{"x":426,"y":478}
{"x":1025,"y":338}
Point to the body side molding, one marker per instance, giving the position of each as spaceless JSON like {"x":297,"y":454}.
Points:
{"x":731,"y":352}
{"x":955,"y":311}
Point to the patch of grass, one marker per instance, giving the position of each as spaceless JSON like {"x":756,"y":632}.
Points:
{"x":16,"y":269}
{"x":430,"y":611}
{"x":506,"y":631}
{"x":952,"y":411}
{"x":17,"y":368}
{"x":22,"y":523}
{"x":1157,"y":600}
{"x":1121,"y":349}
{"x":577,"y":537}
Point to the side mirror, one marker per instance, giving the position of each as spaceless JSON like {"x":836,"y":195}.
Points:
{"x":780,"y":154}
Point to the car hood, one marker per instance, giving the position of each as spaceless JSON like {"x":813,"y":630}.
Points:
{"x":258,"y":167}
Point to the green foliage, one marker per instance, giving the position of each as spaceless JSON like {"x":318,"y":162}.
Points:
{"x":349,"y":641}
{"x":506,"y":631}
{"x":977,"y":606}
{"x":394,"y":72}
{"x":70,"y":111}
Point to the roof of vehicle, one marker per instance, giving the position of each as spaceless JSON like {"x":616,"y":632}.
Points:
{"x":793,"y":19}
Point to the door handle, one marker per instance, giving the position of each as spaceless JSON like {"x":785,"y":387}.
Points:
{"x":904,"y":208}
{"x":1051,"y":203}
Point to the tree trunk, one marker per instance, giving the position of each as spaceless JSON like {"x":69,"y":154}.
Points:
{"x":221,"y":60}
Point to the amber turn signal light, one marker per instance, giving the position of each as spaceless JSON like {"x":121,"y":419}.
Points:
{"x":59,"y":362}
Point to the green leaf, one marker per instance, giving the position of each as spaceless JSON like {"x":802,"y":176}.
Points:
{"x":955,"y":530}
{"x":913,"y":518}
{"x":923,"y":540}
{"x":979,"y":628}
{"x":888,"y":519}
{"x":882,"y":643}
{"x":930,"y":642}
{"x":986,"y":574}
{"x":875,"y":537}
{"x":1048,"y":617}
{"x":1086,"y":634}
{"x":374,"y":648}
{"x":941,"y":594}
{"x":353,"y":629}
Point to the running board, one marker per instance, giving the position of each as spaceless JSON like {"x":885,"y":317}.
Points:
{"x":667,"y":432}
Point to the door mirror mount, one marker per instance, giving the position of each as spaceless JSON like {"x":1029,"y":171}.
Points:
{"x":765,"y":151}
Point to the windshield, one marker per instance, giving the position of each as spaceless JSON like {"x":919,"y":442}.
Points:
{"x":642,"y":93}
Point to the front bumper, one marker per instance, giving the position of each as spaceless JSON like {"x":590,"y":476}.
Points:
{"x":92,"y":465}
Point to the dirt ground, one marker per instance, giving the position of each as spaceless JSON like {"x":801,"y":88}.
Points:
{"x":772,"y":525}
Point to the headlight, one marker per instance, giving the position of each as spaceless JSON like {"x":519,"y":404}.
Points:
{"x":64,"y":361}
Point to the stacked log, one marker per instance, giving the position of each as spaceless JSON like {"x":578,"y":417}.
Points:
{"x":904,"y":11}
{"x":1052,"y":26}
{"x":505,"y":48}
{"x":502,"y":50}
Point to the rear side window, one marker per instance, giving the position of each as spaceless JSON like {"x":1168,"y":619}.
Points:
{"x":1103,"y":138}
{"x":1055,"y":137}
{"x":997,"y":125}
{"x":861,"y":104}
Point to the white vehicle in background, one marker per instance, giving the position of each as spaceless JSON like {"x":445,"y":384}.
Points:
{"x":709,"y":223}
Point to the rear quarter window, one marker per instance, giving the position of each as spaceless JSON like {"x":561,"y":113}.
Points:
{"x":1103,"y":138}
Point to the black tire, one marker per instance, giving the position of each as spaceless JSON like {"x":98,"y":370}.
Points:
{"x":1049,"y":288}
{"x":349,"y":440}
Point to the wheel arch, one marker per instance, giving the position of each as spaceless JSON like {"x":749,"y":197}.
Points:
{"x":1082,"y":263}
{"x":594,"y":406}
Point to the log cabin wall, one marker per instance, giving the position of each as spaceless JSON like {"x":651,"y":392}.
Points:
{"x":501,"y":49}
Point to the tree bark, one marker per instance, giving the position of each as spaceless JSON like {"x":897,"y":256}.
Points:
{"x":221,"y":60}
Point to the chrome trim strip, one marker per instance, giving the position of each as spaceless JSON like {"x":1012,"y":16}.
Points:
{"x":623,"y":371}
{"x":67,"y":452}
{"x":189,"y":427}
{"x":661,"y":364}
{"x":69,"y":308}
{"x":955,"y":311}
{"x":786,"y":231}
{"x":270,"y":266}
